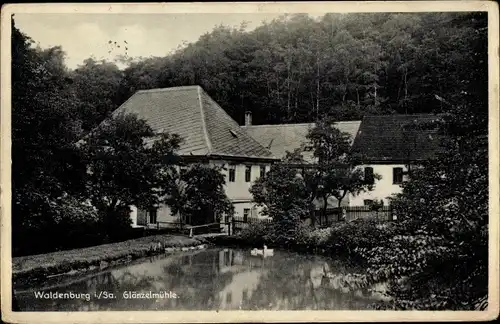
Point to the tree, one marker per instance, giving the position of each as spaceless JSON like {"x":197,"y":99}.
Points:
{"x":96,"y":86}
{"x":284,"y":196}
{"x":337,"y":174}
{"x":199,"y":195}
{"x":309,"y":175}
{"x":45,"y":161}
{"x":442,"y":226}
{"x":128,"y":164}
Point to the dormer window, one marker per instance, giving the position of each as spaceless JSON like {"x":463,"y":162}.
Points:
{"x":233,"y":133}
{"x":308,"y":148}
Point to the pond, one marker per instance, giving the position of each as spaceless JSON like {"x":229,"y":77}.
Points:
{"x":213,"y":279}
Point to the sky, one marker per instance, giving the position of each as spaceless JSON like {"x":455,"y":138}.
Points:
{"x":83,"y":35}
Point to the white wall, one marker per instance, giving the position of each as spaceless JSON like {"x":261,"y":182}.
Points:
{"x":239,"y":190}
{"x":383,"y":188}
{"x":239,"y":208}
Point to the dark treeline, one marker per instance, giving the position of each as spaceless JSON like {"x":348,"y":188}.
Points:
{"x":296,"y":68}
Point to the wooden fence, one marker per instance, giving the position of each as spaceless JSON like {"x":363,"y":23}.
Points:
{"x":235,"y":224}
{"x":239,"y":223}
{"x":334,"y":215}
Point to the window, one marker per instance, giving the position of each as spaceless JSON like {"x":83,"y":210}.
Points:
{"x":397,"y":175}
{"x":232,"y":173}
{"x":369,"y":179}
{"x":262,"y":171}
{"x":152,"y":216}
{"x":248,"y":173}
{"x":229,"y":297}
{"x":308,"y":148}
{"x":246,"y":212}
{"x":367,"y":202}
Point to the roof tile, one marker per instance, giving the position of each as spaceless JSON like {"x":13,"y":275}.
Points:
{"x":384,"y":138}
{"x":288,"y":137}
{"x":206,"y":129}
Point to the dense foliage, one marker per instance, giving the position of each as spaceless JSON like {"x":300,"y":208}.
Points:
{"x":341,"y":239}
{"x":283,"y":195}
{"x":45,"y":160}
{"x":297,"y":69}
{"x":199,"y":195}
{"x":440,"y":246}
{"x":123,"y":171}
{"x":336,"y":172}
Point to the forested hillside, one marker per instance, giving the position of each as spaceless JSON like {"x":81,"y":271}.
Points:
{"x":297,"y":69}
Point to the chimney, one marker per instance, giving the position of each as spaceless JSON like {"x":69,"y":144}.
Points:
{"x":248,"y":118}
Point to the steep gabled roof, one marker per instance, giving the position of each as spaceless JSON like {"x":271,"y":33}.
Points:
{"x":288,"y":137}
{"x":206,"y":129}
{"x":385,"y":139}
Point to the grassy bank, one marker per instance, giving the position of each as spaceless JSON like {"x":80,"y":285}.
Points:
{"x":41,"y":266}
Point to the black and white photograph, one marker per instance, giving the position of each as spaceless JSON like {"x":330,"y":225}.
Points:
{"x":249,"y":162}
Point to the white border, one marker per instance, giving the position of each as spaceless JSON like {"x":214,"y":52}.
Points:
{"x":249,"y":316}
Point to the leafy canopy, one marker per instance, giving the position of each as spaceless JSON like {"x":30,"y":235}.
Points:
{"x":128,"y":164}
{"x":199,"y":195}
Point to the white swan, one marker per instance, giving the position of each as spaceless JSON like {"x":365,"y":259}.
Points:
{"x":265,"y":252}
{"x":255,"y":252}
{"x":268,"y":252}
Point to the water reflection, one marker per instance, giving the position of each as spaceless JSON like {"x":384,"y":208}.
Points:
{"x":225,"y":279}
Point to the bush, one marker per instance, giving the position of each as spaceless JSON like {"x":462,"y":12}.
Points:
{"x":63,"y":223}
{"x":348,"y":239}
{"x":257,"y":234}
{"x":353,"y":238}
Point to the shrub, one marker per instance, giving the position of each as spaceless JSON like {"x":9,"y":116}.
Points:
{"x":320,"y":236}
{"x":364,"y":234}
{"x":257,"y":233}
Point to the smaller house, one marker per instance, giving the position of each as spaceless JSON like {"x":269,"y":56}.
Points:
{"x":389,"y":145}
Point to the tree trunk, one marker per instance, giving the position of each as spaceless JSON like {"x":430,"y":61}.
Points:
{"x":317,"y":86}
{"x":339,"y":203}
{"x":312,"y":215}
{"x":339,"y":200}
{"x":325,"y":208}
{"x":406,"y":90}
{"x":289,"y":92}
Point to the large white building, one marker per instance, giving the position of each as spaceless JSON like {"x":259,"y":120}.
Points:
{"x":208,"y":135}
{"x":211,"y":136}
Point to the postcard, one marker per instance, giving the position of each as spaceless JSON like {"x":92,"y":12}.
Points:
{"x":250,"y":162}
